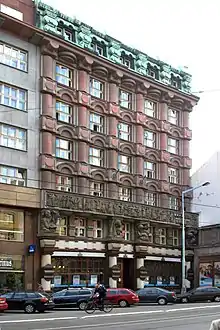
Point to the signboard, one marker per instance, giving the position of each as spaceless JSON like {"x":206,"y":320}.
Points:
{"x":6,"y":263}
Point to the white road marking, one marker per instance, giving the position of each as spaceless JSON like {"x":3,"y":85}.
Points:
{"x":121,"y":314}
{"x":191,"y":308}
{"x":38,"y":320}
{"x":137,"y":322}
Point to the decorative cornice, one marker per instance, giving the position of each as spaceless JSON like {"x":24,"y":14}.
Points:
{"x":52,"y":21}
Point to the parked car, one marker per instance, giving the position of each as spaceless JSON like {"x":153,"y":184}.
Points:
{"x":28,"y":301}
{"x":122,"y":297}
{"x":201,"y":294}
{"x":3,"y":304}
{"x":156,"y":295}
{"x":72,"y":297}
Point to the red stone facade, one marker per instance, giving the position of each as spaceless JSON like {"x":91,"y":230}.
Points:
{"x":24,"y":6}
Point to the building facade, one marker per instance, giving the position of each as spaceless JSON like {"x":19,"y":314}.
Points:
{"x":113,"y":158}
{"x":19,"y":168}
{"x":207,"y":257}
{"x":206,"y":201}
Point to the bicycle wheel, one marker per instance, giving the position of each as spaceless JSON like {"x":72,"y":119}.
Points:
{"x":107,"y":307}
{"x":90,"y":307}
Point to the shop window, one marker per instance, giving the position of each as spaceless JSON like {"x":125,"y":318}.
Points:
{"x":11,"y":272}
{"x":12,"y":226}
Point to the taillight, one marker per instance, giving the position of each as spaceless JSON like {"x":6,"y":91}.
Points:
{"x":44,"y":300}
{"x":2,"y":300}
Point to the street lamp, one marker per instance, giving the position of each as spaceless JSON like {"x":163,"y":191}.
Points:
{"x":183,"y":287}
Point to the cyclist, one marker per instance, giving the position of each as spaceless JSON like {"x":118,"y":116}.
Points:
{"x":101,"y":290}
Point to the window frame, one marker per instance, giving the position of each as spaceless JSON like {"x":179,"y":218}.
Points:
{"x":125,"y":196}
{"x":4,"y":45}
{"x":128,"y":164}
{"x":69,"y":78}
{"x":60,"y":113}
{"x":98,"y":192}
{"x":148,"y":142}
{"x":127,"y":231}
{"x":173,"y":178}
{"x":93,"y":89}
{"x":11,"y":98}
{"x":68,"y":151}
{"x":150,"y":201}
{"x":148,"y":110}
{"x":15,"y":215}
{"x":163,"y":236}
{"x":18,"y":130}
{"x":147,"y":170}
{"x":100,"y":157}
{"x":175,"y":205}
{"x":93,"y":123}
{"x":123,"y":133}
{"x":63,"y":227}
{"x":62,"y":186}
{"x":15,"y":178}
{"x":175,"y":237}
{"x":173,"y":149}
{"x":170,"y":117}
{"x":128,"y":100}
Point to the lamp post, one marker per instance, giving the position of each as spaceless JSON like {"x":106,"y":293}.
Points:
{"x":183,"y":287}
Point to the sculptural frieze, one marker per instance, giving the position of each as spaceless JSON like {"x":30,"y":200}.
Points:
{"x":73,"y":202}
{"x":49,"y":220}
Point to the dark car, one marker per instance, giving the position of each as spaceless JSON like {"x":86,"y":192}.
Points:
{"x":201,"y":294}
{"x":156,"y":295}
{"x":28,"y":301}
{"x":72,"y":298}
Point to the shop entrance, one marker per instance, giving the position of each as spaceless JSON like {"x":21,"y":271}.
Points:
{"x":11,"y":281}
{"x":127,"y":273}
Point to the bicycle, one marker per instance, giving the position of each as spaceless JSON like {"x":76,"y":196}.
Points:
{"x":93,"y":305}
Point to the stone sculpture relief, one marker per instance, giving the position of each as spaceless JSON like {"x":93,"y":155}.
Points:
{"x":85,"y":37}
{"x":165,"y":74}
{"x":192,"y":237}
{"x":115,"y":52}
{"x":141,"y":64}
{"x":49,"y":220}
{"x":143,"y":231}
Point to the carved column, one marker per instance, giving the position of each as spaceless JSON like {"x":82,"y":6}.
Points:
{"x":186,"y":148}
{"x":113,"y":126}
{"x":112,"y":262}
{"x":186,"y":177}
{"x":140,"y":263}
{"x":139,"y":134}
{"x":140,"y":102}
{"x":163,"y":172}
{"x":163,"y":141}
{"x":45,"y":260}
{"x":113,"y":190}
{"x":163,"y":111}
{"x":113,"y":92}
{"x":185,"y":119}
{"x":49,"y":52}
{"x":113,"y":159}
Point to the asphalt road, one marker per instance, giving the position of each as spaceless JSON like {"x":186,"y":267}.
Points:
{"x":178,"y":317}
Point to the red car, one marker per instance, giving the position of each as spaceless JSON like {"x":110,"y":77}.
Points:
{"x":3,"y":304}
{"x":122,"y":297}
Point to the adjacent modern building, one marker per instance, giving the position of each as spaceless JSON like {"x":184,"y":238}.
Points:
{"x":206,"y":201}
{"x":110,"y":140}
{"x":19,"y":150}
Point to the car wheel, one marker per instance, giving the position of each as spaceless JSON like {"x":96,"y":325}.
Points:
{"x":162,"y":301}
{"x":217,"y":299}
{"x":184,"y":300}
{"x":82,"y":305}
{"x":29,"y":308}
{"x":123,"y":303}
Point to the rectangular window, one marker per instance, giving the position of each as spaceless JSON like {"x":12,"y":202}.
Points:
{"x":173,"y":146}
{"x":95,"y":157}
{"x":149,"y":139}
{"x":11,"y":226}
{"x":150,"y":199}
{"x":173,"y":116}
{"x":96,"y":123}
{"x":125,"y":100}
{"x":126,"y":61}
{"x":13,"y":97}
{"x":63,"y":75}
{"x":64,"y":183}
{"x":96,"y":88}
{"x":11,"y":175}
{"x":97,"y":189}
{"x":98,"y":232}
{"x":175,"y":236}
{"x":63,"y":112}
{"x":124,"y":163}
{"x":66,"y":34}
{"x":127,"y":231}
{"x":125,"y":194}
{"x":173,"y":175}
{"x":13,"y":137}
{"x":63,"y":149}
{"x":173,"y":203}
{"x":162,"y":236}
{"x":80,"y":230}
{"x":150,"y":170}
{"x":150,"y":108}
{"x":62,"y":226}
{"x":124,"y":132}
{"x":98,"y":48}
{"x":13,"y":57}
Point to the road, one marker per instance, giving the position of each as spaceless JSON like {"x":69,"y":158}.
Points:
{"x":180,"y":317}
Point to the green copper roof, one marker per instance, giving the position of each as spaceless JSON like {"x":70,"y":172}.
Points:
{"x":84,"y":36}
